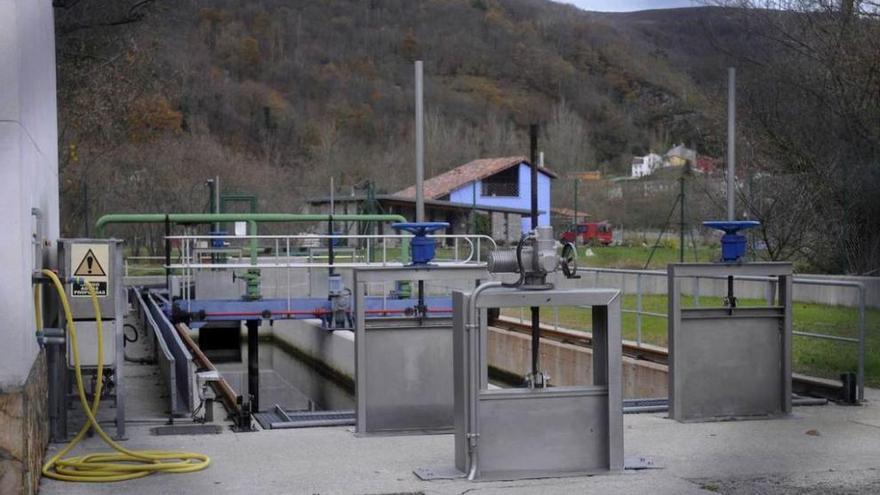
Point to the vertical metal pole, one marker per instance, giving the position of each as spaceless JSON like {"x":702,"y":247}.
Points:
{"x":86,"y":203}
{"x":420,"y":145}
{"x":330,"y":228}
{"x":217,"y":201}
{"x":681,"y":220}
{"x":168,"y":254}
{"x":473,"y":229}
{"x":533,"y":157}
{"x":731,"y":162}
{"x":861,"y":370}
{"x":253,"y":327}
{"x":731,"y":140}
{"x":639,"y":309}
{"x":536,"y":312}
{"x":575,"y":210}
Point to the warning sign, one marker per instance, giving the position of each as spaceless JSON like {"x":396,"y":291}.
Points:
{"x":89,"y":262}
{"x":90,"y":266}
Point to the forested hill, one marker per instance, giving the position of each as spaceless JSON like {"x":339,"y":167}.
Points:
{"x":277,"y":95}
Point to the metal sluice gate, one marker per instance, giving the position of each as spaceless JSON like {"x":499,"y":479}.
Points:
{"x":404,"y":363}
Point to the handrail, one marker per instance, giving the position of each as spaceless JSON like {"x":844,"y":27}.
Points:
{"x":795,"y":279}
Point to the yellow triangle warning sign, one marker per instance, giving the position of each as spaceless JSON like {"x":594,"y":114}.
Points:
{"x":89,"y":266}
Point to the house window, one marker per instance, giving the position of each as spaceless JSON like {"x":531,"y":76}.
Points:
{"x":504,"y":183}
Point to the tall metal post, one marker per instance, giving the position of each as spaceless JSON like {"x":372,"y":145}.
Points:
{"x":731,"y":163}
{"x":86,"y":220}
{"x":535,"y":310}
{"x":533,"y":158}
{"x":731,"y":140}
{"x":420,"y":145}
{"x":473,"y":219}
{"x":574,"y":229}
{"x":681,"y":220}
{"x":168,"y":254}
{"x":253,"y":327}
{"x":330,"y":254}
{"x":217,"y":201}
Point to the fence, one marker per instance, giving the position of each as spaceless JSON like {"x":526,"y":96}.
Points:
{"x":287,"y":253}
{"x":605,"y":277}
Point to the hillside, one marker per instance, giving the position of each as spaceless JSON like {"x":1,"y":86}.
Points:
{"x":157,"y":96}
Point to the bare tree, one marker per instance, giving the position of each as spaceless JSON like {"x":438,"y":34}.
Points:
{"x":810,"y":106}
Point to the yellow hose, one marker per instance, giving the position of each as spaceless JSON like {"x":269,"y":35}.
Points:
{"x":123,"y":464}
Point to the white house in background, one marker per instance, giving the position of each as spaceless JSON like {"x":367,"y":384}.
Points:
{"x":646,"y":165}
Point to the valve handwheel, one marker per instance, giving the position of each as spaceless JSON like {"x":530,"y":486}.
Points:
{"x":422,"y":251}
{"x":569,"y":260}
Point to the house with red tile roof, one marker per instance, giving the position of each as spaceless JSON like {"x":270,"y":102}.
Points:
{"x":491,"y":182}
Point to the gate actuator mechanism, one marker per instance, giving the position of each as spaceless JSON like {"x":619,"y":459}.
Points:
{"x":534,"y":258}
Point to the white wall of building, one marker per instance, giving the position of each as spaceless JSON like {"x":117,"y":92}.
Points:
{"x":28,"y":171}
{"x":646,"y":165}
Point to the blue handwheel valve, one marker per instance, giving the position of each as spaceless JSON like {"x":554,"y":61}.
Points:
{"x":733,"y":244}
{"x":422,"y":248}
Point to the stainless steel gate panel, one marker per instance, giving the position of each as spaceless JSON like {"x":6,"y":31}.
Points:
{"x":403,"y":365}
{"x":412,"y":389}
{"x":542,"y":432}
{"x":727,"y":363}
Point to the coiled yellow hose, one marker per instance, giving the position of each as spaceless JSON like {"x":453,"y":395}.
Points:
{"x":123,"y":464}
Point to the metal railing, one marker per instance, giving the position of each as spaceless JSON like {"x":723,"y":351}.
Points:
{"x":769,"y":296}
{"x":285,"y":249}
{"x":286,"y":253}
{"x":162,"y":354}
{"x":175,"y":361}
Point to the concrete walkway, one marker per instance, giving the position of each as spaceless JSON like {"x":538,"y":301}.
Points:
{"x":825,"y":449}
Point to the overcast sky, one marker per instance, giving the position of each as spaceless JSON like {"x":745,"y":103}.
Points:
{"x":628,"y":5}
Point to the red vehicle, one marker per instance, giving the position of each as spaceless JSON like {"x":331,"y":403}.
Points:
{"x":590,"y":233}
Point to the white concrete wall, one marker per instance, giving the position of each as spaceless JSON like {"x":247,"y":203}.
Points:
{"x":28,"y":171}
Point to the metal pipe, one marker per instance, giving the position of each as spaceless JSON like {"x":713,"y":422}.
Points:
{"x":731,"y":140}
{"x":117,"y":218}
{"x":420,"y":144}
{"x":221,"y":386}
{"x":474,"y":354}
{"x":533,"y":157}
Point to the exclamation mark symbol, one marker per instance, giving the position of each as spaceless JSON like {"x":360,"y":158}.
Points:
{"x":89,"y":262}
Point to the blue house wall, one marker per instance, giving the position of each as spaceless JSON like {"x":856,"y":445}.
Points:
{"x":465,"y":194}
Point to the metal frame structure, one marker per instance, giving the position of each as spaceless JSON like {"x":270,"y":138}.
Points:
{"x":403,"y":365}
{"x":537,"y":432}
{"x":112,"y":308}
{"x":285,"y":258}
{"x":642,"y":278}
{"x":729,"y":362}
